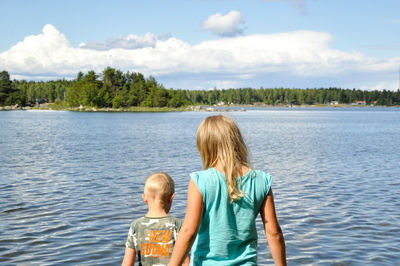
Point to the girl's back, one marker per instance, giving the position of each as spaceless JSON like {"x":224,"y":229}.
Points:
{"x":228,"y":231}
{"x":222,"y":209}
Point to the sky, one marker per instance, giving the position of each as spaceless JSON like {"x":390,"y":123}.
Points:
{"x":203,"y":44}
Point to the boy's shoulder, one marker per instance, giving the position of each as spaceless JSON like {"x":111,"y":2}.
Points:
{"x":169,"y":222}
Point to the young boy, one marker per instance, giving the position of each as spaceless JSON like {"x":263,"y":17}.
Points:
{"x":153,"y":236}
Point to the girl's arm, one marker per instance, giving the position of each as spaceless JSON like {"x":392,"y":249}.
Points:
{"x":190,"y":225}
{"x":129,"y":258}
{"x":273,"y":231}
{"x":186,"y":262}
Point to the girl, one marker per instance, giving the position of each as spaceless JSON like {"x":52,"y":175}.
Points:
{"x":223,"y":202}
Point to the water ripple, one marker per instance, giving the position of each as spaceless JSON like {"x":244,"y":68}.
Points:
{"x":71,"y":186}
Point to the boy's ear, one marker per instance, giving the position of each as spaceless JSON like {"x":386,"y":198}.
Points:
{"x":171,"y":197}
{"x":144,"y":198}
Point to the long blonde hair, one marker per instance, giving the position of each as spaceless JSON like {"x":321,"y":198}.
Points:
{"x":219,"y":140}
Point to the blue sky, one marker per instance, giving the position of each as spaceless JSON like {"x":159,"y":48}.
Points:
{"x":204,"y":44}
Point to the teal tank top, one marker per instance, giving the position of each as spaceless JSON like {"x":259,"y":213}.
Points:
{"x":227,"y":234}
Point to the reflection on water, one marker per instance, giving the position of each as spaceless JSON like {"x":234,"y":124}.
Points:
{"x":71,"y":183}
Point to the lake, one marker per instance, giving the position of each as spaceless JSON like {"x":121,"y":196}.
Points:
{"x":71,"y":183}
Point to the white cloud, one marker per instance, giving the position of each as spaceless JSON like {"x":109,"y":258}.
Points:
{"x":125,"y":42}
{"x":292,"y":59}
{"x":393,"y":86}
{"x":224,"y":26}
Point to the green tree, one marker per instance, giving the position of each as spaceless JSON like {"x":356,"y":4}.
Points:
{"x":293,"y":97}
{"x":85,"y":91}
{"x":79,"y":77}
{"x":5,"y":86}
{"x":113,"y":79}
{"x":176,"y":98}
{"x":301,"y":97}
{"x":270,"y":96}
{"x":13,"y":96}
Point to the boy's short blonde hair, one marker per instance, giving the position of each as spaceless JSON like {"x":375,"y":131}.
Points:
{"x":161,"y":185}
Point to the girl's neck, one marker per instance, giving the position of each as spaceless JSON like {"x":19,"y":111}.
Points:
{"x":242,"y":171}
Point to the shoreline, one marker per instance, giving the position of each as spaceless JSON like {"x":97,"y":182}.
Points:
{"x":190,"y":108}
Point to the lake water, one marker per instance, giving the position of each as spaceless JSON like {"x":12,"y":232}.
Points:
{"x":71,"y":183}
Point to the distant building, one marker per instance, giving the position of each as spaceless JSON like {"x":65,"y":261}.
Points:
{"x":360,"y":103}
{"x":334,"y":102}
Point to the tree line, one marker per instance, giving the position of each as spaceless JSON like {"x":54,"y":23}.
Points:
{"x":113,"y":88}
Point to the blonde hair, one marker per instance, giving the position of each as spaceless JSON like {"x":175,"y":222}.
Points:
{"x":161,"y":185}
{"x":219,"y":140}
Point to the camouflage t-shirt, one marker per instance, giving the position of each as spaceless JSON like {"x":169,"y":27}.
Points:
{"x":154,"y":239}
